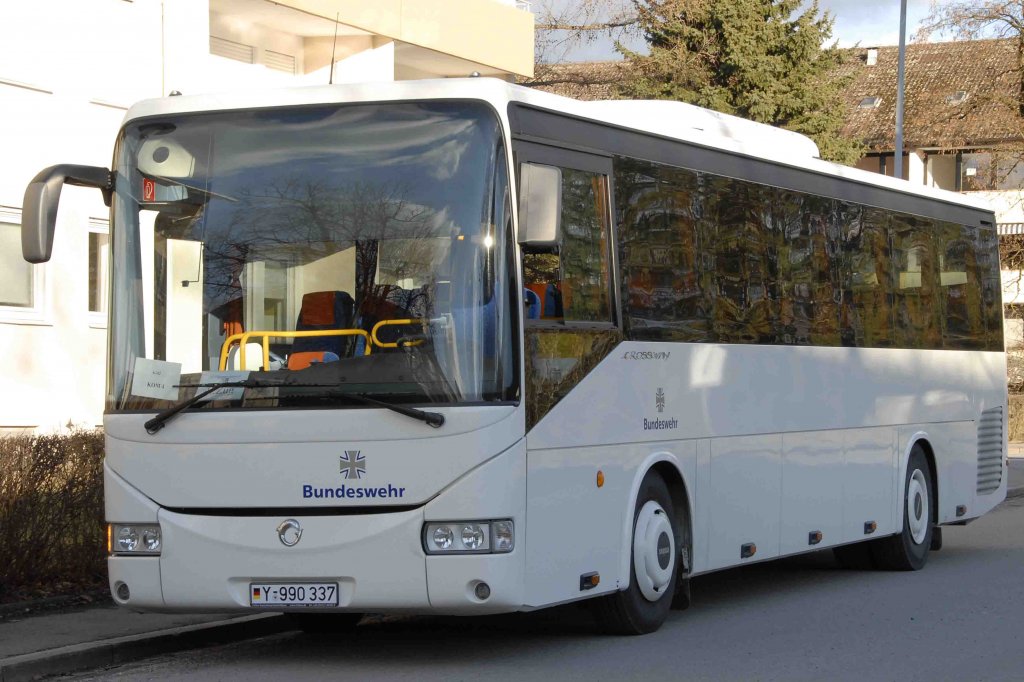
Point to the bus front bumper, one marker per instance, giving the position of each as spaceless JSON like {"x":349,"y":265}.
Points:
{"x":210,"y":562}
{"x":376,"y":560}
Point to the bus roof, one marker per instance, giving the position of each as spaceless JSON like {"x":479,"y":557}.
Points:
{"x":667,"y":119}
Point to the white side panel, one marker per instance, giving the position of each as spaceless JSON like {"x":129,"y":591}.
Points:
{"x":812,"y":489}
{"x":575,"y":527}
{"x":869,"y":472}
{"x":746,"y":486}
{"x":716,"y":390}
{"x":700,"y":497}
{"x":955,"y":445}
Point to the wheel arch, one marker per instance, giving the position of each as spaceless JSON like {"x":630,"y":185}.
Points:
{"x":666,"y":465}
{"x":918,"y":438}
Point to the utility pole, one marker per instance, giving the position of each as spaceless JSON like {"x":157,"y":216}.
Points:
{"x":898,"y":167}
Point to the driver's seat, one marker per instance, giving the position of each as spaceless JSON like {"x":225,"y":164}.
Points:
{"x":321,"y":310}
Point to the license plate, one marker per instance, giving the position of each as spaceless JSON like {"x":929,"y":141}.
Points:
{"x":293,"y":594}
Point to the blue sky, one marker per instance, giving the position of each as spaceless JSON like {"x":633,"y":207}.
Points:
{"x":873,"y":22}
{"x":868,"y":22}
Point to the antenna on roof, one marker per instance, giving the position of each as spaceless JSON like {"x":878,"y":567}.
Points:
{"x":337,"y":18}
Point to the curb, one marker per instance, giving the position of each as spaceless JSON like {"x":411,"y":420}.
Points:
{"x":1015,"y":492}
{"x":119,"y":650}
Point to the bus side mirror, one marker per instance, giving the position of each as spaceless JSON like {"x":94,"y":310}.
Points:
{"x":39,"y":209}
{"x":540,"y":204}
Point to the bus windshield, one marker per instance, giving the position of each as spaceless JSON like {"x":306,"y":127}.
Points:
{"x":362,"y":247}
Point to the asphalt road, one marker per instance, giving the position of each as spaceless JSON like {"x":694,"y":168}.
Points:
{"x":797,"y":619}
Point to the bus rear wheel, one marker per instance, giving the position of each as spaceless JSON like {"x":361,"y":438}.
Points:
{"x":654,"y":569}
{"x":908,"y":550}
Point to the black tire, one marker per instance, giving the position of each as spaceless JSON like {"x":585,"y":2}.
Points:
{"x":903,"y":552}
{"x":629,"y":612}
{"x":855,"y":557}
{"x":325,"y":623}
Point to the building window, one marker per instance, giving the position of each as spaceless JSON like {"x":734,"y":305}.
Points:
{"x":992,"y":170}
{"x":16,"y":288}
{"x":99,"y":270}
{"x":21,"y":283}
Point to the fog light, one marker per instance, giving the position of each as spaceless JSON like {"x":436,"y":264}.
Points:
{"x":472,"y":537}
{"x":122,"y":591}
{"x":482,"y":591}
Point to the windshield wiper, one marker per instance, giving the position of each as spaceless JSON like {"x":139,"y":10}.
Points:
{"x":157,"y":422}
{"x":434,"y":419}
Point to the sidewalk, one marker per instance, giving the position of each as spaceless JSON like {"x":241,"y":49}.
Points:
{"x":100,"y":636}
{"x":96,"y":637}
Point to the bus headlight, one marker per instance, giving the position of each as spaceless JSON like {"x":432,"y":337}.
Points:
{"x":134,"y":539}
{"x":469,"y":537}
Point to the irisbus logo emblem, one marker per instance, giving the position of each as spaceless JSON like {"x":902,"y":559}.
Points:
{"x":353,"y":464}
{"x":289,"y":532}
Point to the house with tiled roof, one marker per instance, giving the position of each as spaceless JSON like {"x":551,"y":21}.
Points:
{"x":962,"y":122}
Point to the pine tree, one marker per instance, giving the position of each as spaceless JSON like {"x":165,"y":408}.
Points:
{"x":749,"y":58}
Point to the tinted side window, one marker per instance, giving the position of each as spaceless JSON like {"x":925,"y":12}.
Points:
{"x":810,"y":270}
{"x":709,"y":258}
{"x":743,"y":272}
{"x":991,"y":287}
{"x":917,"y":295}
{"x":867,"y":274}
{"x":659,"y":211}
{"x":963,"y":325}
{"x":586,"y":271}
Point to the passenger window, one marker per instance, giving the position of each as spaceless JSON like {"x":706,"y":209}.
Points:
{"x":571,"y":282}
{"x":963,"y":324}
{"x":567,"y":294}
{"x":867,"y":273}
{"x":917,"y":294}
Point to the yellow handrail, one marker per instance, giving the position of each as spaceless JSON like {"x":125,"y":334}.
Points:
{"x":243,"y":338}
{"x":388,"y":323}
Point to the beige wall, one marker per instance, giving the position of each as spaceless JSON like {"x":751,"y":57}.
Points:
{"x":490,"y":33}
{"x":942,"y":171}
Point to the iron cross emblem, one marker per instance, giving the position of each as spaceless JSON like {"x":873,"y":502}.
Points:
{"x":353,"y":464}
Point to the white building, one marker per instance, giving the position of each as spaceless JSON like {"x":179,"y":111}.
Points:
{"x":70,"y":68}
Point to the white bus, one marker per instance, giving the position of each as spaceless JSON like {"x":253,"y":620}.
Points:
{"x":462,"y":347}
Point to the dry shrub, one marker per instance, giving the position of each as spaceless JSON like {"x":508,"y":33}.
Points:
{"x":51,"y":513}
{"x":1015,"y":420}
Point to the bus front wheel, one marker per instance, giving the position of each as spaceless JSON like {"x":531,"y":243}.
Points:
{"x":908,"y":550}
{"x":654,"y":556}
